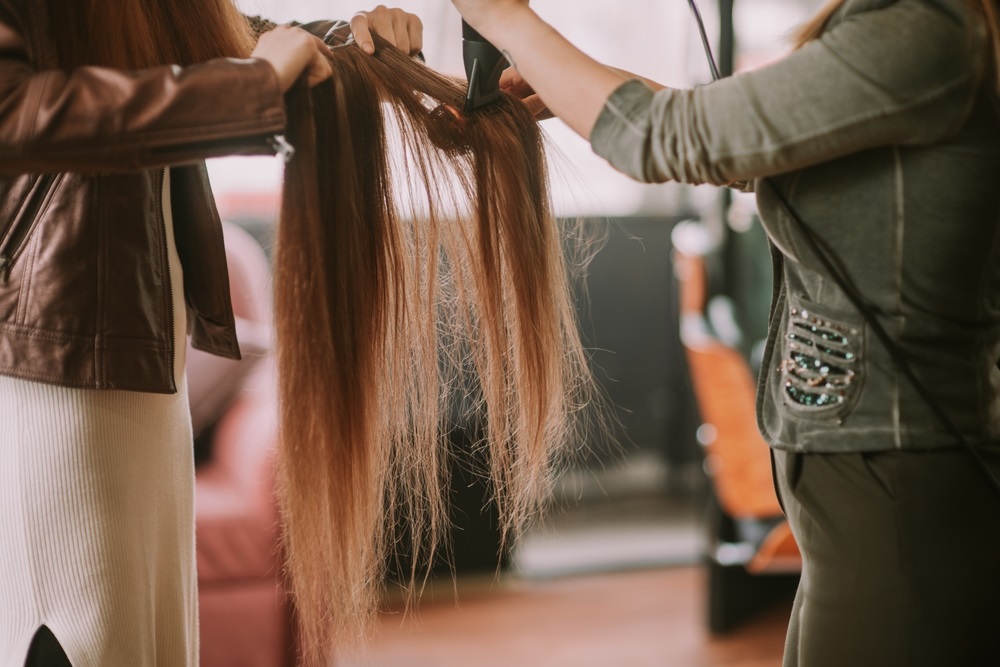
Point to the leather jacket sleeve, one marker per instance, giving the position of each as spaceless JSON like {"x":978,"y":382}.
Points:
{"x":95,"y":119}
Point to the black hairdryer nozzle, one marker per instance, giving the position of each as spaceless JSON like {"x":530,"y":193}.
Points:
{"x":483,"y":66}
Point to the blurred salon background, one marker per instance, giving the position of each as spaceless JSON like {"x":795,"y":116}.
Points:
{"x":666,"y":544}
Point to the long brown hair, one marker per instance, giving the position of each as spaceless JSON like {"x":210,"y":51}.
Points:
{"x":147,"y":33}
{"x":987,"y":9}
{"x":386,"y":321}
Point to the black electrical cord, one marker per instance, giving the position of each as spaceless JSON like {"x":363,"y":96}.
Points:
{"x":897,"y":355}
{"x":704,"y":40}
{"x":827,"y":259}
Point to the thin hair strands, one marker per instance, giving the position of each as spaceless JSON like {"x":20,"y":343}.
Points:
{"x":389,"y":318}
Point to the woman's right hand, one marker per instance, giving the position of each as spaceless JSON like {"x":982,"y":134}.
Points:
{"x":292,"y":51}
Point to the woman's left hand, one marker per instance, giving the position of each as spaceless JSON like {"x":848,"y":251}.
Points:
{"x":401,"y":29}
{"x":512,"y":82}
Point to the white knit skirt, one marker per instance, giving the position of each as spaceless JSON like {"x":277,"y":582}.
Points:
{"x":97,"y":517}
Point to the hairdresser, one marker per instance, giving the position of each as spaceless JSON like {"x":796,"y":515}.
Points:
{"x":110,"y":253}
{"x":881,"y":131}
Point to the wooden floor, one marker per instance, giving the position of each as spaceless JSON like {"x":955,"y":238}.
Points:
{"x":635,"y":619}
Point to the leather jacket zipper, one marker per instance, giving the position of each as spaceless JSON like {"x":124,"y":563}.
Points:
{"x":22,"y":224}
{"x":276,"y":143}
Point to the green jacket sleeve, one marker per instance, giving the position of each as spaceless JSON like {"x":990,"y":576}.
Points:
{"x":903,"y":74}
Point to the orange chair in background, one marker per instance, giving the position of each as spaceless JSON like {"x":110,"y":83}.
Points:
{"x":751,"y":551}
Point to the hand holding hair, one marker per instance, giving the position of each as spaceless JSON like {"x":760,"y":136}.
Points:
{"x":513,"y":83}
{"x":401,"y":29}
{"x":292,"y":51}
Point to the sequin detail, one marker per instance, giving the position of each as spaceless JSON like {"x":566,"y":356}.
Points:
{"x":817,"y":369}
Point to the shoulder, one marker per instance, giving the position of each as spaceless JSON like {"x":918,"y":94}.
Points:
{"x":945,"y":35}
{"x":956,"y":10}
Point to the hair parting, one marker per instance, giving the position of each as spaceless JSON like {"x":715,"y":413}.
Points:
{"x":389,"y":315}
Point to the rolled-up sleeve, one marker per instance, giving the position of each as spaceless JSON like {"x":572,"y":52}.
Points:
{"x":906,"y":74}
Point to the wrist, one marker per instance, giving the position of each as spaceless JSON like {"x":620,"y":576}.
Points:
{"x":500,"y":25}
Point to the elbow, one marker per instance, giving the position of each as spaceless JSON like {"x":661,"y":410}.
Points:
{"x":665,"y":161}
{"x":653,"y":164}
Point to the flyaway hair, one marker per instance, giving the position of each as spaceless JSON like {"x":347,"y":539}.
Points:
{"x":418,"y":265}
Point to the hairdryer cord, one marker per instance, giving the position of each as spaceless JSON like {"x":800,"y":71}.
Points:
{"x":829,"y":262}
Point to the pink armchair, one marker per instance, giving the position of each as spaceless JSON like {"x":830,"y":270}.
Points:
{"x":245,"y":618}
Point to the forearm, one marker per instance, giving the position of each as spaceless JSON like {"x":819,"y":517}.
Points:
{"x":905,"y":74}
{"x":96,"y":119}
{"x":573,"y":85}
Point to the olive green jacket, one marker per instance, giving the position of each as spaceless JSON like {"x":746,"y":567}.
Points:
{"x":884,"y":134}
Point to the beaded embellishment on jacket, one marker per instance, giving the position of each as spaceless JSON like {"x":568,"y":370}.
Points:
{"x":820,"y":361}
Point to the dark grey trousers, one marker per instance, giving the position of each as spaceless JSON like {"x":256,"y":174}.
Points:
{"x":901,"y":559}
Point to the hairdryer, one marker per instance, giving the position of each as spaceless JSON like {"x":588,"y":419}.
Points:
{"x":483,"y":66}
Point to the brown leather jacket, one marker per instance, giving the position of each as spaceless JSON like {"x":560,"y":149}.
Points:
{"x":84,"y":284}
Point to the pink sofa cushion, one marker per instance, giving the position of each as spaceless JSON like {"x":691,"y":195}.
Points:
{"x":215,"y":382}
{"x":237,"y":517}
{"x":245,"y":626}
{"x":235,"y":540}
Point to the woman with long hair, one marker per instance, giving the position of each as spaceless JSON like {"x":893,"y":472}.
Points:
{"x":874,"y":149}
{"x":110,"y":253}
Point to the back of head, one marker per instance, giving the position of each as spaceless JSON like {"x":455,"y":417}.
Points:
{"x":131,"y":34}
